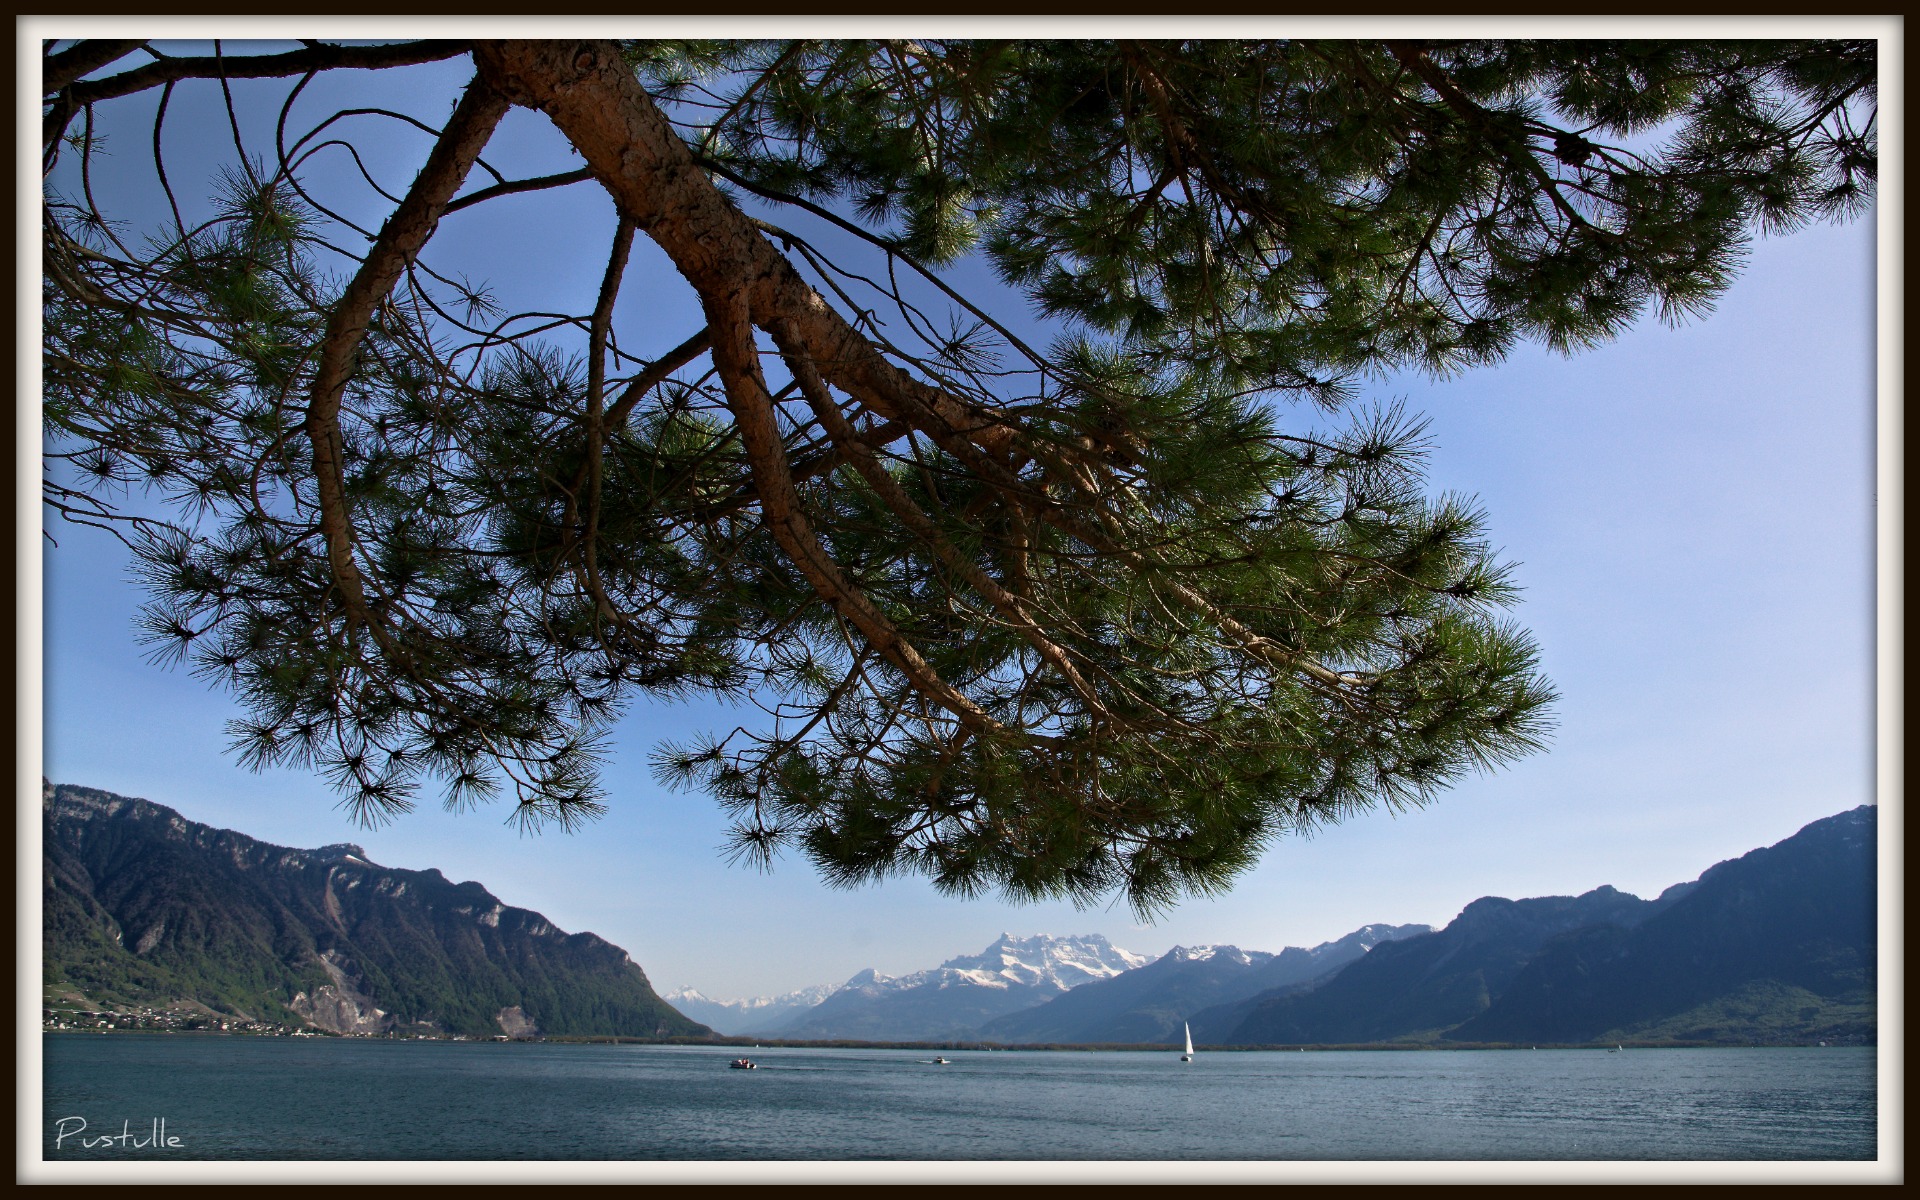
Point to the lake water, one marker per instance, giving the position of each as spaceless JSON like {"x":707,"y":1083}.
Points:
{"x":328,"y":1099}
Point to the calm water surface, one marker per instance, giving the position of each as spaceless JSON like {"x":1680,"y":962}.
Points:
{"x":276,"y":1098}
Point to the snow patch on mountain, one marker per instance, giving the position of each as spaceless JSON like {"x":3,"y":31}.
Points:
{"x":1369,"y":936}
{"x":1232,"y":954}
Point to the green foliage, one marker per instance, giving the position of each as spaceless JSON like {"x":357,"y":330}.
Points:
{"x":1295,"y":211}
{"x":1114,"y":628}
{"x":1765,"y":1013}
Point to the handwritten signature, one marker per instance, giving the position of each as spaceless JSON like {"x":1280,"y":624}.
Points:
{"x":155,"y":1138}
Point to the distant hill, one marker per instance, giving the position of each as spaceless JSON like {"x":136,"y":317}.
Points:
{"x":954,"y":999}
{"x":146,"y":907}
{"x":1150,"y":1004}
{"x":1777,"y":946}
{"x":1423,"y":986}
{"x":746,"y":1018}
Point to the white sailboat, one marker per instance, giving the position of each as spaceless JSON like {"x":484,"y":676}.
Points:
{"x":1188,"y":1056}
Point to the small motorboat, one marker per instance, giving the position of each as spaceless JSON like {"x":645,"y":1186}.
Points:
{"x":940,"y":1061}
{"x":744,"y":1064}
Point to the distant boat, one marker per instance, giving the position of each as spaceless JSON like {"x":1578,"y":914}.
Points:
{"x":1188,"y":1056}
{"x":940,"y":1060}
{"x":744,"y":1064}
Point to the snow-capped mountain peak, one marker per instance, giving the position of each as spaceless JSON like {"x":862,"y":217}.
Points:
{"x":956,"y":997}
{"x":1041,"y":961}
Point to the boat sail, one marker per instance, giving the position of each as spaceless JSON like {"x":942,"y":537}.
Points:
{"x":1188,"y":1056}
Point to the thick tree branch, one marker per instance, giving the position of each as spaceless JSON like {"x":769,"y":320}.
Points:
{"x":1013,"y":608}
{"x":82,"y":58}
{"x":264,"y":66}
{"x":748,"y":398}
{"x":592,"y":96}
{"x":597,"y":400}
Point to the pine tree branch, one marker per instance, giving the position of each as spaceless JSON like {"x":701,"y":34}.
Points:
{"x":656,"y":374}
{"x":596,"y":409}
{"x":514,"y":186}
{"x":82,"y":58}
{"x":263,"y":66}
{"x":882,"y":244}
{"x":751,"y":403}
{"x":861,"y":456}
{"x":1513,"y":146}
{"x":400,"y":239}
{"x":590,"y":94}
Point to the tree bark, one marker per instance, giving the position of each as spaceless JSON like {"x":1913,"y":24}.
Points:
{"x":59,"y":70}
{"x":263,"y":66}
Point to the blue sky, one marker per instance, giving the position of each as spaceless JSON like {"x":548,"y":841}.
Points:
{"x":1693,"y":514}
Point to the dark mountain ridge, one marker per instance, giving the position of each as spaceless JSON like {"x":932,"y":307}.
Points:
{"x":1425,"y":985}
{"x":1778,"y":940}
{"x":145,"y":906}
{"x":1776,"y":946}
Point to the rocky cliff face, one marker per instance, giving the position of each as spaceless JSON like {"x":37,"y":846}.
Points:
{"x":514,"y":1022}
{"x":144,"y":904}
{"x":341,"y":1006}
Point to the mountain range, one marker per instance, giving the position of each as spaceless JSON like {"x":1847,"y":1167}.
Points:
{"x":1149,"y":1005}
{"x":1777,"y":946}
{"x":144,"y":907}
{"x":746,"y":1018}
{"x":956,"y":998}
{"x":1421,"y":987}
